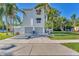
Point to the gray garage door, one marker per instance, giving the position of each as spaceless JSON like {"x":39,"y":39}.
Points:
{"x":38,"y":30}
{"x":28,"y":29}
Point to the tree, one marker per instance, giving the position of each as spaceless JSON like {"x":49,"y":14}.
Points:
{"x":73,"y":18}
{"x":2,"y":25}
{"x":46,"y":7}
{"x":62,"y":21}
{"x":52,"y":16}
{"x":77,"y":21}
{"x":68,"y":24}
{"x":10,"y":12}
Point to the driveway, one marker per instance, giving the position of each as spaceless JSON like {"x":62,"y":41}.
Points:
{"x":40,"y":46}
{"x":44,"y":50}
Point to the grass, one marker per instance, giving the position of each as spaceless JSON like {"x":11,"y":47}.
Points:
{"x":65,"y":32}
{"x":59,"y":35}
{"x":74,"y":46}
{"x":4,"y":36}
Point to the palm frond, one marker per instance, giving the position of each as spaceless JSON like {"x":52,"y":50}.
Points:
{"x":1,"y":11}
{"x":18,"y":19}
{"x":39,"y":5}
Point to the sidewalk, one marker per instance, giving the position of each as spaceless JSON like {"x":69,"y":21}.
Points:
{"x":37,"y":40}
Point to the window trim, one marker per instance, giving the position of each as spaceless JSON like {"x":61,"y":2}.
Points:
{"x":38,"y":20}
{"x":38,"y":11}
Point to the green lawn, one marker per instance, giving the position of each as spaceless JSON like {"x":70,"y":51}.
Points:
{"x":59,"y":35}
{"x":74,"y":46}
{"x":4,"y":36}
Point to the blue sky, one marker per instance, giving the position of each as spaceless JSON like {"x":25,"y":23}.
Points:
{"x":66,"y":9}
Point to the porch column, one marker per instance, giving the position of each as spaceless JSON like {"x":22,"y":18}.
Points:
{"x":32,"y":24}
{"x":43,"y":30}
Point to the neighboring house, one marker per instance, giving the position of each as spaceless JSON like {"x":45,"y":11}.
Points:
{"x":76,"y":28}
{"x":33,"y":22}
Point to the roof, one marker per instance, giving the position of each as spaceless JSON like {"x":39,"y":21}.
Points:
{"x":27,"y":9}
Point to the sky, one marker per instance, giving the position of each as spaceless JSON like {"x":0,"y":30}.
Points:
{"x":66,"y":9}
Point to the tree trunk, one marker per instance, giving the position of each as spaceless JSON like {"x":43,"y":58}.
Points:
{"x":52,"y":26}
{"x":74,"y":24}
{"x":6,"y":26}
{"x":61,"y":28}
{"x":2,"y":23}
{"x":11,"y":26}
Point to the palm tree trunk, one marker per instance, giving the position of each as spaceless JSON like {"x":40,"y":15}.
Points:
{"x":52,"y":26}
{"x":2,"y":24}
{"x":74,"y":24}
{"x":13,"y":26}
{"x":61,"y":27}
{"x":6,"y":25}
{"x":3,"y":27}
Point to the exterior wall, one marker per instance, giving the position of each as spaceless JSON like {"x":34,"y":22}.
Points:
{"x":27,"y":25}
{"x":27,"y":17}
{"x":76,"y":29}
{"x":19,"y":29}
{"x":42,"y":16}
{"x":31,"y":14}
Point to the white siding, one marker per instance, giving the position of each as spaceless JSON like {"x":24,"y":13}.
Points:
{"x":27,"y":26}
{"x":31,"y":14}
{"x":42,"y":19}
{"x":19,"y":29}
{"x":27,"y":18}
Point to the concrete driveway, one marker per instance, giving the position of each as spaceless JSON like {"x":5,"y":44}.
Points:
{"x":40,"y":46}
{"x":44,"y":50}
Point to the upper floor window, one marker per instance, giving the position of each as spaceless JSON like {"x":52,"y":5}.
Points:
{"x":38,"y":11}
{"x":38,"y":20}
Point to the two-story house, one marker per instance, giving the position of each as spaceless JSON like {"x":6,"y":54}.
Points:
{"x":33,"y":22}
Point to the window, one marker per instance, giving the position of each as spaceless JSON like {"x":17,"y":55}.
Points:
{"x":38,"y":11}
{"x":38,"y":20}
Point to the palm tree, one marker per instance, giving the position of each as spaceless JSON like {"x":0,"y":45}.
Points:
{"x":53,"y":14}
{"x":73,"y":18}
{"x":46,"y":7}
{"x":4,"y":14}
{"x":68,"y":24}
{"x":10,"y":12}
{"x":77,"y":22}
{"x":62,"y":21}
{"x":1,"y":16}
{"x":1,"y":25}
